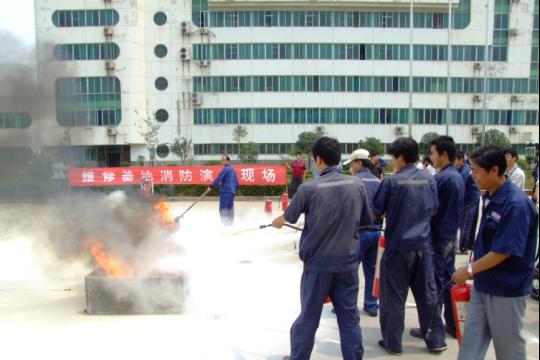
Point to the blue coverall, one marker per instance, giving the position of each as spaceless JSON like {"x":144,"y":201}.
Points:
{"x":335,"y":206}
{"x":229,"y":185}
{"x":444,"y":229}
{"x":369,"y":242}
{"x":469,"y":217}
{"x":409,"y":199}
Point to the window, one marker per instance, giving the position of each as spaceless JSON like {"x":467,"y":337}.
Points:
{"x":160,"y":18}
{"x":160,"y":51}
{"x":162,"y":151}
{"x":15,"y":120}
{"x":161,"y":83}
{"x":162,"y":115}
{"x":88,"y":101}
{"x":82,"y":18}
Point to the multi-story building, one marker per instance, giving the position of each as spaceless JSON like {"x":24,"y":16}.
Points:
{"x":353,"y":69}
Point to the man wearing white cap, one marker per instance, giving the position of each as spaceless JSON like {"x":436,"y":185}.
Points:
{"x":360,"y":166}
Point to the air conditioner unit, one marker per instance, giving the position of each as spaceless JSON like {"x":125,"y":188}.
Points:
{"x":514,"y":32}
{"x":398,"y":130}
{"x":205,"y":31}
{"x":204,"y":63}
{"x":112,"y":131}
{"x":513,"y":130}
{"x":475,"y":130}
{"x":514,"y":98}
{"x":319,"y":129}
{"x":196,"y":99}
{"x":109,"y":65}
{"x":185,"y":54}
{"x":108,"y":31}
{"x":107,"y":1}
{"x":476,"y":98}
{"x":185,"y":28}
{"x":477,"y":66}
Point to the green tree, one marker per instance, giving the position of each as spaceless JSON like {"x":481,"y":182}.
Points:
{"x":149,"y":129}
{"x":305,"y":142}
{"x":183,"y":148}
{"x":239,"y":132}
{"x":249,"y":152}
{"x":425,"y":143}
{"x":371,"y":144}
{"x":494,"y":137}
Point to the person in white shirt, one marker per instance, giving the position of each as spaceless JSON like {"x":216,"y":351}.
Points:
{"x":428,"y":165}
{"x":513,"y":172}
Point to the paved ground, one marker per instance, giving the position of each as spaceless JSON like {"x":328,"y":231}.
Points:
{"x":244,"y":295}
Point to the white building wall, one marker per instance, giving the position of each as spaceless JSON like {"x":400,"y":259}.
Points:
{"x":137,"y":68}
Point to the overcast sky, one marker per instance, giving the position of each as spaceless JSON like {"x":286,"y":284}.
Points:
{"x":17,"y":16}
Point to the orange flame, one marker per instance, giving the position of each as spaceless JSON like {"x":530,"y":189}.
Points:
{"x":114,"y":267}
{"x":165,"y":215}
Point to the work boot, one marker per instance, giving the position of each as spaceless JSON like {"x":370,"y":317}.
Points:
{"x":438,"y":349}
{"x":371,"y":312}
{"x":417,"y":333}
{"x":391,"y":352}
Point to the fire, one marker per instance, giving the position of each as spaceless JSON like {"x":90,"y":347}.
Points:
{"x":165,"y":215}
{"x":114,"y":267}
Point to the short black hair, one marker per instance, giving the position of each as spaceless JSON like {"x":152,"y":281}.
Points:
{"x":427,"y":159}
{"x":445,"y":143}
{"x":298,"y":153}
{"x":366,"y":163}
{"x":405,"y":146}
{"x":226,"y":157}
{"x":460,"y":155}
{"x":328,"y":150}
{"x":512,"y":152}
{"x":489,"y":156}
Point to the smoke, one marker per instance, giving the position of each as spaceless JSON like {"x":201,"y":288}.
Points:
{"x":27,"y":86}
{"x":63,"y":230}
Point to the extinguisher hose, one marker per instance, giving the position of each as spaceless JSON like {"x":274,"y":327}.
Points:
{"x":439,"y":299}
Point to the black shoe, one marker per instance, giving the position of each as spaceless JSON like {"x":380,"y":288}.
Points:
{"x":417,"y":333}
{"x":371,"y":312}
{"x":438,"y":349}
{"x":450,"y":332}
{"x":391,"y":352}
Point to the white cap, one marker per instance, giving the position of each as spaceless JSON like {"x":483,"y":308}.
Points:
{"x":360,"y":154}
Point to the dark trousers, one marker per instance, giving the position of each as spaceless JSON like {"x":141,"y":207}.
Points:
{"x":343,"y":289}
{"x":369,"y":244}
{"x":467,"y":227}
{"x":444,"y":260}
{"x":401,"y":270}
{"x":226,"y":208}
{"x":295,"y":184}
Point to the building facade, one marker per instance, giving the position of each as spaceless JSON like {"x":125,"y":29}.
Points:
{"x":353,"y":69}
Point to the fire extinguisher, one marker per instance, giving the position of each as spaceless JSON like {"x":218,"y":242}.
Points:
{"x":380,"y":252}
{"x":461,"y":295}
{"x":284,"y":201}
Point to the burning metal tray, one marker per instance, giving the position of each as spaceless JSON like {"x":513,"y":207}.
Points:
{"x":155,"y":294}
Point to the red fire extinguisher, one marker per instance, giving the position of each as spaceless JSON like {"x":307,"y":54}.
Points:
{"x":284,"y":201}
{"x":380,"y":252}
{"x":461,"y":295}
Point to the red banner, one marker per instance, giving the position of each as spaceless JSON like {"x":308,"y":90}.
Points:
{"x":177,"y":175}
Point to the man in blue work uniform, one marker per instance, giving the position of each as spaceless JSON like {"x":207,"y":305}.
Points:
{"x":360,"y":164}
{"x":469,"y":216}
{"x":335,"y":206}
{"x":504,"y":257}
{"x":409,"y":200}
{"x":445,"y":224}
{"x":229,"y":185}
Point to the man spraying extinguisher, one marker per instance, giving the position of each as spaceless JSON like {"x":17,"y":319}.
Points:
{"x":504,"y":257}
